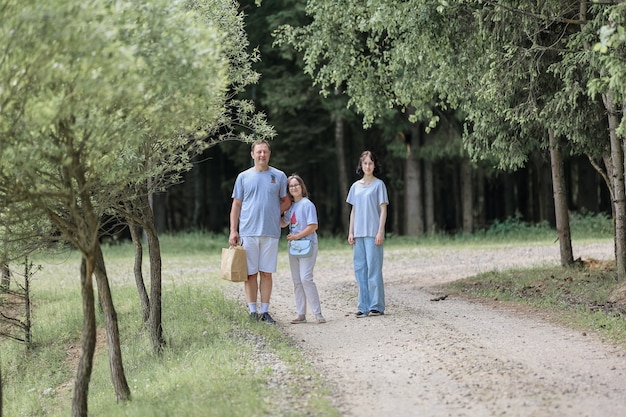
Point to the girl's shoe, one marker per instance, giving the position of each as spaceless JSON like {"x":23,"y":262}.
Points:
{"x":298,"y":320}
{"x":320,"y":320}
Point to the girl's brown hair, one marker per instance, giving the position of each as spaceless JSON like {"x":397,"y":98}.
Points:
{"x":370,"y":154}
{"x":297,"y":177}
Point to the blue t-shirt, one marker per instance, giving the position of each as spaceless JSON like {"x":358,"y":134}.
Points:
{"x":366,"y":201}
{"x":300,"y":215}
{"x":260,"y":193}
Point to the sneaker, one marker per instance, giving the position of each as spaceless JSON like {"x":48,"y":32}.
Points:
{"x":360,"y":314}
{"x":376,"y":313}
{"x":267,"y":318}
{"x":254,"y":316}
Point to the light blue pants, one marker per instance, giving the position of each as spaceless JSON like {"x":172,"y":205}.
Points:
{"x":304,"y":288}
{"x":368,"y":270}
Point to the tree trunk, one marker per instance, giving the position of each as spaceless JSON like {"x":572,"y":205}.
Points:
{"x":429,"y":198}
{"x":467,"y":200}
{"x":154,"y":250}
{"x":455,"y":194}
{"x":560,"y":201}
{"x":511,"y":190}
{"x":5,"y":283}
{"x":342,"y":170}
{"x":199,"y":197}
{"x":607,"y":176}
{"x":619,"y":191}
{"x":28,"y":333}
{"x":138,"y":271}
{"x":546,"y":192}
{"x":141,"y":214}
{"x":480,"y":214}
{"x":88,"y":342}
{"x":414,"y":213}
{"x":118,"y":377}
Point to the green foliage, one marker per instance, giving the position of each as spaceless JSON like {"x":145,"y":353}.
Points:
{"x":105,"y":73}
{"x":423,"y":54}
{"x":583,"y":226}
{"x":511,"y":231}
{"x":102,"y":102}
{"x":366,"y":49}
{"x":611,"y":45}
{"x":514,"y":226}
{"x":590,"y":225}
{"x":239,"y":118}
{"x":98,"y":97}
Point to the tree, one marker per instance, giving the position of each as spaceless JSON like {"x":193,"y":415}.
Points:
{"x":421,"y":54}
{"x":83,"y":90}
{"x":169,"y":157}
{"x":611,"y":84}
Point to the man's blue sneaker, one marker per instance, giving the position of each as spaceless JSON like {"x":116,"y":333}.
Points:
{"x":267,"y":318}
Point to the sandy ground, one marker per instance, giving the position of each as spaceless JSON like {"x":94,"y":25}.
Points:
{"x":451,"y":357}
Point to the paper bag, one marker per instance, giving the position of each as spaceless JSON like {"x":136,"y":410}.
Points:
{"x":234,"y":264}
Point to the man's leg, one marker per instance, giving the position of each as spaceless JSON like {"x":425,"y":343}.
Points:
{"x":252,"y":288}
{"x":268,"y":257}
{"x":266,"y":287}
{"x":266,"y":293}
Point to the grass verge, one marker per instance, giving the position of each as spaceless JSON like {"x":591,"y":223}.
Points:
{"x":581,"y":297}
{"x":216,"y":362}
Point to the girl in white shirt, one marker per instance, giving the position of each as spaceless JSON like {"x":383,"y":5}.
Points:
{"x":369,"y":200}
{"x":301,"y":218}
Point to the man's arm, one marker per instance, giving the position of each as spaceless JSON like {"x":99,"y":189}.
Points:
{"x":285,"y":203}
{"x":235,"y":211}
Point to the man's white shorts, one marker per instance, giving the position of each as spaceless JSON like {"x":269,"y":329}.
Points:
{"x":261,"y":253}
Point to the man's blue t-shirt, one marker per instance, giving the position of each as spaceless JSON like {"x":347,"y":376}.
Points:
{"x":260,"y":193}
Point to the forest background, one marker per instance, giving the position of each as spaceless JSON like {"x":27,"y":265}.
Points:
{"x":434,"y":185}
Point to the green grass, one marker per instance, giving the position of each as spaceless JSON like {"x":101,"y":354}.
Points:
{"x":216,"y":361}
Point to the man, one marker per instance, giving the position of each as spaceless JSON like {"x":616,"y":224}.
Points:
{"x":259,"y":199}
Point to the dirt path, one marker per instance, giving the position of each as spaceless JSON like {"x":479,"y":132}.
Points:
{"x":451,"y":357}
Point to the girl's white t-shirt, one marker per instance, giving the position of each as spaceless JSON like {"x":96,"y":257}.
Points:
{"x":300,"y":215}
{"x":366,"y":201}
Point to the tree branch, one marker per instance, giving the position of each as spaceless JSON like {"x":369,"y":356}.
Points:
{"x":540,"y":17}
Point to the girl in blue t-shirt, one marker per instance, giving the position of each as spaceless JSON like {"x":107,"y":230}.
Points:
{"x":369,"y":201}
{"x":301,"y":218}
